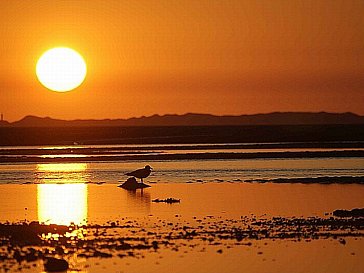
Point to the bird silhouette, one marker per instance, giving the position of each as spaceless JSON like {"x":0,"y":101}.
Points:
{"x":141,"y":173}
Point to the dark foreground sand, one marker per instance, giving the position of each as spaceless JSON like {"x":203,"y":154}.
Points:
{"x":215,"y":228}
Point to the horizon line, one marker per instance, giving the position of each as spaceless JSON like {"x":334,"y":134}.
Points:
{"x":170,"y":114}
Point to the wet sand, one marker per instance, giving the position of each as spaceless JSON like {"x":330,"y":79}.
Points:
{"x":216,"y":227}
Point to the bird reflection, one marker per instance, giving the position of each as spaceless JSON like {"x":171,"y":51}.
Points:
{"x":138,"y":201}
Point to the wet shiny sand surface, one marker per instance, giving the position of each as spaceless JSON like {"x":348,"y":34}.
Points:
{"x":217,"y":227}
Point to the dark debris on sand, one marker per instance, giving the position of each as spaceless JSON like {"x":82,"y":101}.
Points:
{"x":23,"y":243}
{"x":349,"y":213}
{"x":167,"y":200}
{"x":131,"y":184}
{"x":313,"y":180}
{"x":55,"y":265}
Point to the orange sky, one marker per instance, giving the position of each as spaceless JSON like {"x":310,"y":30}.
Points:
{"x":220,"y":57}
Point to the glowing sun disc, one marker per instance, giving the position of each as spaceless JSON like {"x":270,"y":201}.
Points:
{"x":61,"y":69}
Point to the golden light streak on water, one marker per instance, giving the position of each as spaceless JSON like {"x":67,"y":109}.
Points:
{"x":65,"y":202}
{"x":62,"y":204}
{"x":62,"y":167}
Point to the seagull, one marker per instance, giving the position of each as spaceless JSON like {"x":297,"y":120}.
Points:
{"x":141,"y":173}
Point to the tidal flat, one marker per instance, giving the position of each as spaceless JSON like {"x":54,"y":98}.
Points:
{"x":216,"y":227}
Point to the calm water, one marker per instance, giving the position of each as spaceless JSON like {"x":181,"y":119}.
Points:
{"x":66,"y":192}
{"x":168,"y":171}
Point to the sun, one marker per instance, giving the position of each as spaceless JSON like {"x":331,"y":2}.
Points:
{"x":61,"y":69}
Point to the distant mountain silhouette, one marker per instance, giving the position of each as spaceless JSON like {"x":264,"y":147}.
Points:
{"x":4,"y":123}
{"x":191,"y":119}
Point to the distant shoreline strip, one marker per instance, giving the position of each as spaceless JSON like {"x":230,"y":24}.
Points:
{"x":312,"y":180}
{"x":189,"y":156}
{"x":319,"y":180}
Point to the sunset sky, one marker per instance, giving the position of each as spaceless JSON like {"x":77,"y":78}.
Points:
{"x":159,"y":57}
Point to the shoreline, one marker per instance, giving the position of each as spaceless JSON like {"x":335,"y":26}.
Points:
{"x":319,"y":180}
{"x":14,"y":136}
{"x":188,"y":156}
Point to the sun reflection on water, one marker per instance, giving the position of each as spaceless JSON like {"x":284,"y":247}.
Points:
{"x":65,"y":202}
{"x":62,"y":167}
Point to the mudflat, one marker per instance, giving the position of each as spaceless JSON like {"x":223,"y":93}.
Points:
{"x":216,"y":227}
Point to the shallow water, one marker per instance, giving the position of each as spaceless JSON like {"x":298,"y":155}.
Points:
{"x":22,"y":169}
{"x":215,"y":206}
{"x":211,"y":192}
{"x":98,"y":204}
{"x":181,"y":171}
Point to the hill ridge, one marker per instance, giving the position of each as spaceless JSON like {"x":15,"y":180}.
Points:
{"x":197,"y":119}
